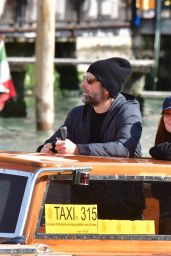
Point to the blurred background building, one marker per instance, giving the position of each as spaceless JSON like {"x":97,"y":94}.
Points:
{"x":139,"y":30}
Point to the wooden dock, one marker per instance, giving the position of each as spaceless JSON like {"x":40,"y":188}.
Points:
{"x":154,"y":94}
{"x":63,"y":61}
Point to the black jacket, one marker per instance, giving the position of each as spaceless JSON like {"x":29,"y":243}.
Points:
{"x":120,"y":134}
{"x":161,"y":151}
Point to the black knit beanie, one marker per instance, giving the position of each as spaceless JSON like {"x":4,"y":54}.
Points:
{"x":112,"y":73}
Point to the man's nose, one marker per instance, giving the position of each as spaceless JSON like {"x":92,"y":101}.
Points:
{"x":84,"y":83}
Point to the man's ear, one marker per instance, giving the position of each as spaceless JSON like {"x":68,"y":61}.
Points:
{"x":106,"y":93}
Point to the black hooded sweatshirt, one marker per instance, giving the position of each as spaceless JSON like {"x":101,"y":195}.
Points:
{"x":120,"y":133}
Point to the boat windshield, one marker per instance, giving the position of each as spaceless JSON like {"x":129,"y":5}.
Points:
{"x":13,"y":186}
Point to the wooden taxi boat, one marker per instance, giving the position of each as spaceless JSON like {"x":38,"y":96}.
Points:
{"x":31,"y":225}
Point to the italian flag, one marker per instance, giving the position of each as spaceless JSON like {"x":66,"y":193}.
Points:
{"x":7,"y":89}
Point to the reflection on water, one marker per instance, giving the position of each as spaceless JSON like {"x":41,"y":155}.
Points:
{"x":20,"y":133}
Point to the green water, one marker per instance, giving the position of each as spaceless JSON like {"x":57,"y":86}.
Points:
{"x":20,"y":134}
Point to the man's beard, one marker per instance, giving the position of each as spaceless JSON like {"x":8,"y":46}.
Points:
{"x":93,"y":101}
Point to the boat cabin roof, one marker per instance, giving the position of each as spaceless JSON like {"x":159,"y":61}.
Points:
{"x":30,"y":162}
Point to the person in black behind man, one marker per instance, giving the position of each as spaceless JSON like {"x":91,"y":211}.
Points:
{"x":162,"y":151}
{"x":109,"y":124}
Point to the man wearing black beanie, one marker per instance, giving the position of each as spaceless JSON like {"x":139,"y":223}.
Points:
{"x":108,"y":124}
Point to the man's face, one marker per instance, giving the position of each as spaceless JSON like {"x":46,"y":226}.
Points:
{"x":93,"y":92}
{"x":167,"y":120}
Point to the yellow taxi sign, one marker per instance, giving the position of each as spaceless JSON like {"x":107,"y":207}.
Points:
{"x":70,"y":219}
{"x":82,"y":219}
{"x":126,"y":227}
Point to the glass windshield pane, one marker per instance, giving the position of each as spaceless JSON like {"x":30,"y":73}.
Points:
{"x":12,"y":189}
{"x":121,"y":207}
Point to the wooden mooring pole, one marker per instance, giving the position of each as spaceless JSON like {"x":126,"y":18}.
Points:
{"x":45,"y":42}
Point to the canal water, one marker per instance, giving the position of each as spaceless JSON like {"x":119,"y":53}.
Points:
{"x":20,"y":134}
